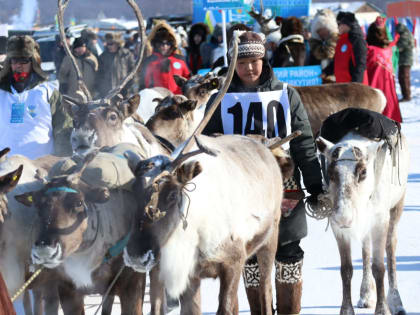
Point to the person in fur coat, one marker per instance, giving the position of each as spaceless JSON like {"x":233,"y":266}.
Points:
{"x":324,"y":30}
{"x":159,"y":68}
{"x":379,"y":67}
{"x":88,"y":65}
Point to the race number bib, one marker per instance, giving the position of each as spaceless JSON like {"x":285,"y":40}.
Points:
{"x":18,"y":112}
{"x":263,"y":113}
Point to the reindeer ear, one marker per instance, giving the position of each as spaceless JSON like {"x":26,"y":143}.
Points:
{"x":130,"y":106}
{"x":187,"y":171}
{"x":98,"y":195}
{"x":4,"y":152}
{"x":324,"y":146}
{"x":10,"y":180}
{"x":180,"y":81}
{"x":26,"y":199}
{"x":187,"y":106}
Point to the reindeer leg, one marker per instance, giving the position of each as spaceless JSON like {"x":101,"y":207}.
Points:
{"x":191,"y":299}
{"x":266,"y":256}
{"x":378,"y":235}
{"x":367,"y":289}
{"x":51,"y":299}
{"x":27,"y":303}
{"x":157,"y":293}
{"x":132,"y":288}
{"x":71,"y":301}
{"x":393,"y":299}
{"x":344,"y":247}
{"x":230,"y":275}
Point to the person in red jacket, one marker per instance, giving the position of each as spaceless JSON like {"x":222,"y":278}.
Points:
{"x":379,"y":66}
{"x":350,"y":52}
{"x":164,"y":63}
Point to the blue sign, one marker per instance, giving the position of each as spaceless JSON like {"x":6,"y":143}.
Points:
{"x":222,"y":4}
{"x":299,"y":76}
{"x":296,"y":76}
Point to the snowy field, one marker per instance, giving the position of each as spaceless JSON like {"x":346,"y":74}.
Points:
{"x":322,"y":290}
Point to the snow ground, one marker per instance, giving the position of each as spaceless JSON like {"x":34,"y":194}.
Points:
{"x":322,"y":291}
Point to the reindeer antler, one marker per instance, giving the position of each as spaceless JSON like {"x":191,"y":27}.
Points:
{"x":62,"y":5}
{"x":279,"y":142}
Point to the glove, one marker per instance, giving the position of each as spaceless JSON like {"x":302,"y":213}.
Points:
{"x":315,"y":189}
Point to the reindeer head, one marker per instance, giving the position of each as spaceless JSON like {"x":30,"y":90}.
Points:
{"x":352,"y":179}
{"x":162,"y":204}
{"x":199,"y":88}
{"x":267,"y":25}
{"x":92,"y":117}
{"x":7,"y":183}
{"x":96,"y":125}
{"x":62,"y":206}
{"x":175,"y":119}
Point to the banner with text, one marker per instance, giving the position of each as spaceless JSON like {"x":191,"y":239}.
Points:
{"x":297,"y":76}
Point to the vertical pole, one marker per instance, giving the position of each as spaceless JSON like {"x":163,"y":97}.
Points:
{"x":224,"y":37}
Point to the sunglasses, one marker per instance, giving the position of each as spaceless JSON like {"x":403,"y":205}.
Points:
{"x":22,"y":61}
{"x":164,"y":44}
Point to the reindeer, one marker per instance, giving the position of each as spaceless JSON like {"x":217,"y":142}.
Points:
{"x":17,"y":234}
{"x":78,"y":225}
{"x":182,"y":208}
{"x":320,"y":101}
{"x":178,"y":117}
{"x":367,"y":185}
{"x":213,"y":245}
{"x":103,"y":122}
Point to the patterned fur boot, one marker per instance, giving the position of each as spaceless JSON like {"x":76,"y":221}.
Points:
{"x":251,"y":275}
{"x":288,"y":287}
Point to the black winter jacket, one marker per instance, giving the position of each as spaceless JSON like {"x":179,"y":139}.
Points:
{"x":302,"y":148}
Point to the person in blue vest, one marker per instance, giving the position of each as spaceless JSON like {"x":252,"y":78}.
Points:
{"x":272,"y":108}
{"x":32,"y":121}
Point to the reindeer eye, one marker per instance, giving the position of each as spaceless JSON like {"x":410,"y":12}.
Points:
{"x":362,"y":174}
{"x":113,"y":117}
{"x":173,"y":195}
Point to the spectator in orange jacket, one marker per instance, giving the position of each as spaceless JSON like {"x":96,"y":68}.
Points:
{"x":160,"y":67}
{"x":351,"y":50}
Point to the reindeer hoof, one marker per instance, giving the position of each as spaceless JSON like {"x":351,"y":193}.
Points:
{"x":347,"y":311}
{"x":366,"y":303}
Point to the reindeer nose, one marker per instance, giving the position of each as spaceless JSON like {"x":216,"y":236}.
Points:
{"x":43,"y":242}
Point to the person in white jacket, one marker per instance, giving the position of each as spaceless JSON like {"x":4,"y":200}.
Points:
{"x":29,"y":104}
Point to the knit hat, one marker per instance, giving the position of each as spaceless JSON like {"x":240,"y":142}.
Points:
{"x":23,"y":46}
{"x":251,"y":45}
{"x":347,"y":18}
{"x":79,"y":42}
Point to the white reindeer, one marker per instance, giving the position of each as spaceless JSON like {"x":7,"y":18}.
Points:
{"x":367,"y":184}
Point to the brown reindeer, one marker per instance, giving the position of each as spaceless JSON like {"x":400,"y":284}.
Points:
{"x":78,"y":225}
{"x":321,"y":101}
{"x":17,"y":235}
{"x":179,"y":117}
{"x":104,"y":121}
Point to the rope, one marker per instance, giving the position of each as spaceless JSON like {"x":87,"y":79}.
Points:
{"x":26,"y":284}
{"x":322,"y":210}
{"x":109,"y":288}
